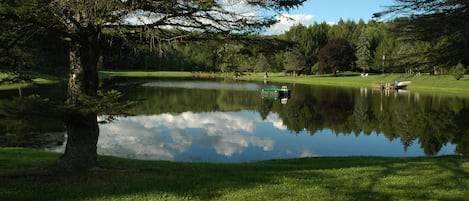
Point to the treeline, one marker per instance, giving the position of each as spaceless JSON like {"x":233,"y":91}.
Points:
{"x":319,"y":48}
{"x":40,"y":52}
{"x":376,"y":47}
{"x":315,"y":49}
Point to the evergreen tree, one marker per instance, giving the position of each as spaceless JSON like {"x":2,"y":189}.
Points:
{"x":364,"y":51}
{"x":318,"y":39}
{"x":433,"y":21}
{"x":87,"y":26}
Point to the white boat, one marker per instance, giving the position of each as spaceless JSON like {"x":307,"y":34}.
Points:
{"x":402,"y":84}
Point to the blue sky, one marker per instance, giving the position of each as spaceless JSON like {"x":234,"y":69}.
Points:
{"x":331,"y":11}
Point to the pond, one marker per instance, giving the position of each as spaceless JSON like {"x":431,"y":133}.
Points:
{"x":230,"y":122}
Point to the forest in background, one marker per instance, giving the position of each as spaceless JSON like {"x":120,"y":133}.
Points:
{"x":319,"y":48}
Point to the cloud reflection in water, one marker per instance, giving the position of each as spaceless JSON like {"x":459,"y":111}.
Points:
{"x":165,"y":136}
{"x":235,"y":137}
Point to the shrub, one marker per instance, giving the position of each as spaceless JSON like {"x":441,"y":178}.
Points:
{"x":458,"y":71}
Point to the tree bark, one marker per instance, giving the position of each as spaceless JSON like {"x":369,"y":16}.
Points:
{"x":81,"y":148}
{"x":82,"y":128}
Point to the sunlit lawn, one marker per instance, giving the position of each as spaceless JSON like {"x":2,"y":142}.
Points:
{"x":322,"y":178}
{"x":145,"y":73}
{"x":436,"y":84}
{"x":441,"y":84}
{"x":38,"y":79}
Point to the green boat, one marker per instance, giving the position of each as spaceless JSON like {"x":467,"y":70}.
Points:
{"x":276,"y":92}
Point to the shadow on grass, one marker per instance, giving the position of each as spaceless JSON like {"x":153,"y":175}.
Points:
{"x":330,"y":178}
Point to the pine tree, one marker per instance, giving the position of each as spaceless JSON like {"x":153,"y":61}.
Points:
{"x":363,"y":51}
{"x":87,"y":26}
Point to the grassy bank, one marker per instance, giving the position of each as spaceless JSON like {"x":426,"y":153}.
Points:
{"x":104,"y":74}
{"x":441,"y":84}
{"x":327,"y":178}
{"x":39,"y":78}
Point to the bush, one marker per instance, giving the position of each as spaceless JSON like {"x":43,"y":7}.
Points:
{"x":458,"y":71}
{"x":315,"y":69}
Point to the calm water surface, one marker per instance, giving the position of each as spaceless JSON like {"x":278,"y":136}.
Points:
{"x":215,"y":121}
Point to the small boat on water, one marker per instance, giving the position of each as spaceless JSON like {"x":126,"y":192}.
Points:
{"x":402,"y":84}
{"x":274,"y":91}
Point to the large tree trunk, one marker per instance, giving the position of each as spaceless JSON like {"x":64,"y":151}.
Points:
{"x":82,"y":128}
{"x":81,"y":149}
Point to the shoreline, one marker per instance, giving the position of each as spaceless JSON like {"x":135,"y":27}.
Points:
{"x":444,"y":85}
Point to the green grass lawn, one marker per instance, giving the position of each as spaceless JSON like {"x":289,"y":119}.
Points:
{"x":321,"y":178}
{"x":441,"y":84}
{"x":145,"y":73}
{"x":38,"y":79}
{"x":434,"y":84}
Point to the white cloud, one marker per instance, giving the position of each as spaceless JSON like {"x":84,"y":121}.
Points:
{"x":288,"y":20}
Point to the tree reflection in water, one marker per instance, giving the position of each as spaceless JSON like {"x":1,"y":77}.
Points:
{"x":230,"y":122}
